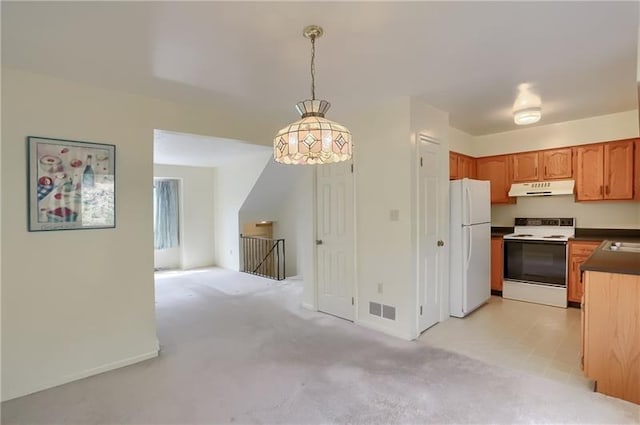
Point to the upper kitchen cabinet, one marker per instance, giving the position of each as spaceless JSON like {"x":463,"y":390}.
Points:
{"x":525,"y":167}
{"x":556,"y":164}
{"x":618,"y":170}
{"x":497,"y":169}
{"x":466,"y":167}
{"x":453,"y":165}
{"x":605,"y":171}
{"x":589,"y":172}
{"x":461,"y":166}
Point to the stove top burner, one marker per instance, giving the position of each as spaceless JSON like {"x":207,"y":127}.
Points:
{"x":554,"y":236}
{"x":522,"y":235}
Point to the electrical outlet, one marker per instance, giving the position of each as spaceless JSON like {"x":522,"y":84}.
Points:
{"x":380,"y":288}
{"x":394,"y":215}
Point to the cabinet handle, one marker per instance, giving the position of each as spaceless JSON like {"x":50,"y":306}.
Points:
{"x":545,"y":170}
{"x":607,"y":190}
{"x":601,"y":190}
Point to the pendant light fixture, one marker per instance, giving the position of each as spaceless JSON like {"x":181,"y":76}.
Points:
{"x":313,"y":139}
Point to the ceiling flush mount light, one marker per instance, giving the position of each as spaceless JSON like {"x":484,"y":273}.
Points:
{"x":312,"y":139}
{"x":527,"y":116}
{"x":526,"y":108}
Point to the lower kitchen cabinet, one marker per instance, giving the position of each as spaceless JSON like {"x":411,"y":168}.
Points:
{"x":579,"y":251}
{"x":611,"y":333}
{"x":497,"y":250}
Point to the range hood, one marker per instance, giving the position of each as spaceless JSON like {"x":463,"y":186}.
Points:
{"x":555,"y":187}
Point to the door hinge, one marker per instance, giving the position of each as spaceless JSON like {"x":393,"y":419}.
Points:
{"x":420,"y":310}
{"x":352,"y":168}
{"x":353,"y":302}
{"x":421,"y":161}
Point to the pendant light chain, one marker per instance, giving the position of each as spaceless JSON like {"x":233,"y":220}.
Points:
{"x":313,"y":67}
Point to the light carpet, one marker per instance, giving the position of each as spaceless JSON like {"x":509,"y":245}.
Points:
{"x":239,"y":349}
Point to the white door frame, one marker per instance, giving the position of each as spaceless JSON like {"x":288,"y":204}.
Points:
{"x":316,"y":284}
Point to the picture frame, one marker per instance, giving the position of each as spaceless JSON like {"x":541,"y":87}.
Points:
{"x":71,"y":184}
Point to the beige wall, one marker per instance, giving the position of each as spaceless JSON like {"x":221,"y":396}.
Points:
{"x":590,"y":130}
{"x":618,"y":214}
{"x":461,"y":142}
{"x":385,"y":180}
{"x":76,"y":303}
{"x":622,"y":125}
{"x":233,"y":182}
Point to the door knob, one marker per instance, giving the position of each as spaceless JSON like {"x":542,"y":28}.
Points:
{"x":440,"y":243}
{"x":318,"y":241}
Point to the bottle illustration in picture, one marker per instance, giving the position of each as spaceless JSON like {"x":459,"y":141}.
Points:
{"x":87,"y":174}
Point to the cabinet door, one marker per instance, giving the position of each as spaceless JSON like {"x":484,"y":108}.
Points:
{"x":556,"y":164}
{"x":618,"y":170}
{"x":496,"y":169}
{"x":465,"y":167}
{"x":575,"y":289}
{"x":579,"y":251}
{"x":525,"y":167}
{"x":453,"y":166}
{"x":496,"y":264}
{"x":590,"y":172}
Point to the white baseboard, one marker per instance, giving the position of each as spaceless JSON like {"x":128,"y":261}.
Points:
{"x":9,"y":395}
{"x":386,"y":330}
{"x":309,"y":307}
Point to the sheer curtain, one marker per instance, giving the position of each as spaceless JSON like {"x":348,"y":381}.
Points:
{"x":166,"y":214}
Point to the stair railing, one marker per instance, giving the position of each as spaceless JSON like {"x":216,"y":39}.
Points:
{"x":263,"y":256}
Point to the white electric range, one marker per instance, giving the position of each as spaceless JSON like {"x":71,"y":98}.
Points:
{"x":535,"y":260}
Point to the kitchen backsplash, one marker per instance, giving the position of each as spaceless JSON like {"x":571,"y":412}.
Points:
{"x":619,"y":215}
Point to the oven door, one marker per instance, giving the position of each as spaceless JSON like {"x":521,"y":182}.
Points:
{"x":538,"y":262}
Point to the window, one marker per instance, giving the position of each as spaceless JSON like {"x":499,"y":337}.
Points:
{"x":166,"y":216}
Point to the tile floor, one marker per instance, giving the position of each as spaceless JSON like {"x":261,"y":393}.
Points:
{"x":538,"y":339}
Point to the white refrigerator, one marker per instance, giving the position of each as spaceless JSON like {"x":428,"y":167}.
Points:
{"x":470,"y":245}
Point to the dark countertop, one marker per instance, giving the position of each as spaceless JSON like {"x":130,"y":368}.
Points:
{"x":612,"y":261}
{"x":622,"y":235}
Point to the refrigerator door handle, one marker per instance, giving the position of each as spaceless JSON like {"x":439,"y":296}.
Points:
{"x":468,"y":239}
{"x":468,"y":205}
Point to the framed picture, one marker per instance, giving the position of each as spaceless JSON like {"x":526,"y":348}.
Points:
{"x":71,"y":185}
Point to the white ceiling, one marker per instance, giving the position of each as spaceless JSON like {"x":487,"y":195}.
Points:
{"x":199,"y":151}
{"x":463,"y":57}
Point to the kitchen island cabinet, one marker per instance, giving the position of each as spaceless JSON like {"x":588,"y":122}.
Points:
{"x":637,"y":170}
{"x":611,"y":323}
{"x":579,"y":251}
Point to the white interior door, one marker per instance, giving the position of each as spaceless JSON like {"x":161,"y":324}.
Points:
{"x":334,"y":239}
{"x":428,"y":228}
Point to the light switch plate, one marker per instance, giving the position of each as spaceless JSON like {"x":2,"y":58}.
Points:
{"x":394,"y":215}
